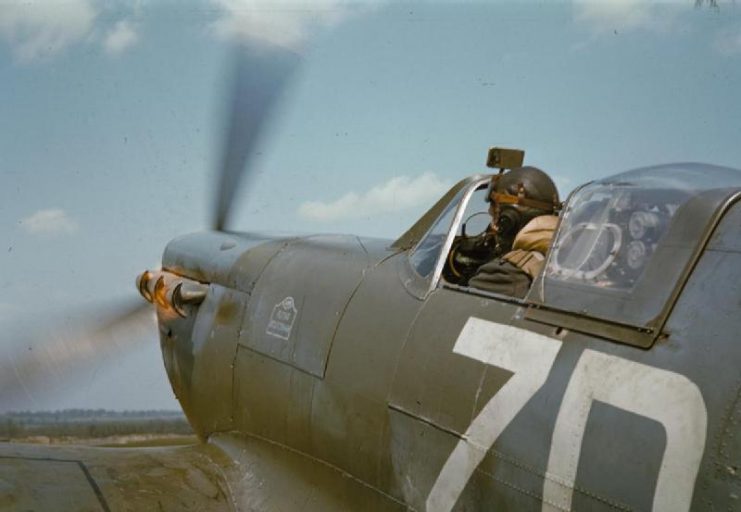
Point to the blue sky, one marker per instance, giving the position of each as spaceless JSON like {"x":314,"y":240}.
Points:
{"x":110,"y":114}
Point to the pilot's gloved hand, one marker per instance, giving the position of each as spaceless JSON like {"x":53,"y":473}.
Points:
{"x":467,"y":254}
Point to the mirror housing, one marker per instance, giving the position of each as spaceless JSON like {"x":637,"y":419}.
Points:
{"x":505,"y":158}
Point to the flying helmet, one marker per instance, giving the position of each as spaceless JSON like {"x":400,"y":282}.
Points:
{"x":521,"y":194}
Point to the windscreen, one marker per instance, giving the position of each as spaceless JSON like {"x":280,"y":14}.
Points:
{"x":425,"y":255}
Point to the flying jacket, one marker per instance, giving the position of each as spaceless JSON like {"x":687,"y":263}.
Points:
{"x":512,"y":273}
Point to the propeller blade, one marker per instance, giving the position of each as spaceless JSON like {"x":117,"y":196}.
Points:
{"x":36,"y":369}
{"x":261,"y":74}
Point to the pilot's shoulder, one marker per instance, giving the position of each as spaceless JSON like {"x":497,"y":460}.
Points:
{"x":536,"y":235}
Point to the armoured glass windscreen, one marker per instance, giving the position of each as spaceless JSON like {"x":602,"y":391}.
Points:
{"x":624,"y":241}
{"x":428,"y":249}
{"x":476,"y":218}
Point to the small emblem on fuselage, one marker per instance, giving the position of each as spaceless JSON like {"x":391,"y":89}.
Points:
{"x":282,"y":318}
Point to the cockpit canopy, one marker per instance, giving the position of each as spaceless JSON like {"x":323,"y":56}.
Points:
{"x":613,"y":227}
{"x":624,"y":246}
{"x":624,"y":241}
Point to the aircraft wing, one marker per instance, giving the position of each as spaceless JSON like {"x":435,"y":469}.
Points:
{"x":40,"y":477}
{"x":227,"y":474}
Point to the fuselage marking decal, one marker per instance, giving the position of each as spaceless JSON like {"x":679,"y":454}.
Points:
{"x":661,"y":395}
{"x":530,"y":357}
{"x":654,"y":393}
{"x":282,"y":318}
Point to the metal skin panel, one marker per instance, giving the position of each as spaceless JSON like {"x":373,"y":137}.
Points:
{"x":429,"y":372}
{"x":272,"y":400}
{"x":340,"y":419}
{"x":617,"y":451}
{"x":728,"y":459}
{"x":300,"y":297}
{"x":229,"y":473}
{"x":349,"y":413}
{"x":75,"y":479}
{"x":199,"y":353}
{"x":706,"y":323}
{"x":48,"y":476}
{"x":512,"y":474}
{"x":249,"y":266}
{"x":211,"y":257}
{"x":265,"y":476}
{"x":437,"y":393}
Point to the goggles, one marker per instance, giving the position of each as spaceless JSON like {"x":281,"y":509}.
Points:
{"x":492,"y":196}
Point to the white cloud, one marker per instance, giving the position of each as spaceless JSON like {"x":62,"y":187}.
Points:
{"x":49,"y":222}
{"x":728,"y":42}
{"x":36,"y":29}
{"x":122,"y":36}
{"x":609,"y":16}
{"x":397,"y":194}
{"x":284,"y":23}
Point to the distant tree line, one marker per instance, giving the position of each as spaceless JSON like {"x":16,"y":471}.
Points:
{"x":86,"y":414}
{"x":91,"y":423}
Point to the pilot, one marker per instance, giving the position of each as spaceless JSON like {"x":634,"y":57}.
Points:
{"x":523,"y":207}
